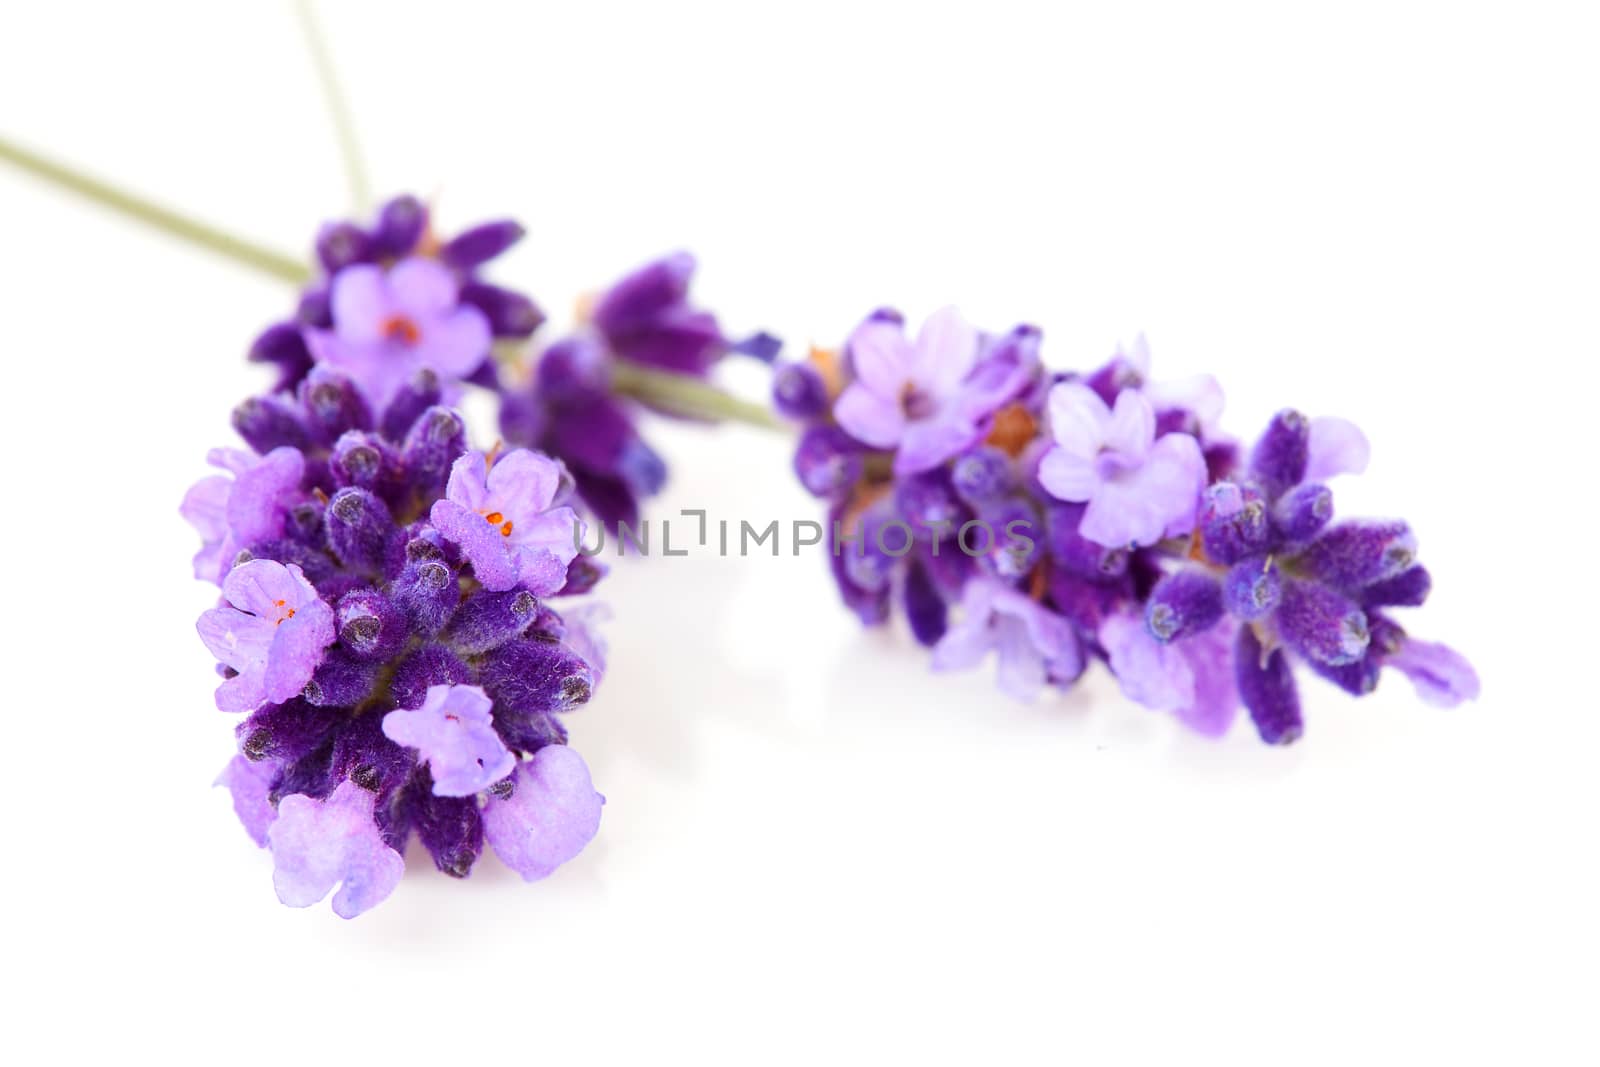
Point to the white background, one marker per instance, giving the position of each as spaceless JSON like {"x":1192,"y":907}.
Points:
{"x":814,"y":849}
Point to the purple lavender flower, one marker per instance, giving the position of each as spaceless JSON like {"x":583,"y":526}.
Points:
{"x":1139,"y":488}
{"x":922,"y":399}
{"x":1035,"y":647}
{"x":1097,"y":478}
{"x":271,"y":632}
{"x":389,"y":325}
{"x":1191,"y":679}
{"x":646,"y":318}
{"x":503,"y":519}
{"x":402,"y":691}
{"x":549,"y":814}
{"x":231,"y":514}
{"x":453,"y":733}
{"x":401,"y":230}
{"x":318,"y":844}
{"x":1441,"y":675}
{"x":251,"y":786}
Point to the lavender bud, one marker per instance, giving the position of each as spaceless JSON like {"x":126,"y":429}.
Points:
{"x":265,"y":422}
{"x":1233,"y":523}
{"x":488,"y":620}
{"x":401,"y":223}
{"x":474,"y":247}
{"x":827,"y":461}
{"x":416,"y":396}
{"x":340,"y":244}
{"x":1321,"y":624}
{"x":1267,"y":688}
{"x":428,"y":666}
{"x":534,"y":677}
{"x":1280,"y":458}
{"x":287,"y":731}
{"x":925,"y":608}
{"x":510,"y":313}
{"x":1302,"y":512}
{"x":981,"y":475}
{"x":434,"y":443}
{"x":798,"y":392}
{"x":359,"y":529}
{"x":1252,"y":589}
{"x":450,"y":828}
{"x":1182,"y":605}
{"x":342,"y":680}
{"x":428,"y":591}
{"x":334,"y":405}
{"x":1408,"y":589}
{"x":1356,"y":554}
{"x":370,"y":625}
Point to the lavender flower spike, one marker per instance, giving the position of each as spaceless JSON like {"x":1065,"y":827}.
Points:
{"x":318,"y":844}
{"x":272,"y":632}
{"x":502,"y":518}
{"x":455,"y":735}
{"x":1139,"y":488}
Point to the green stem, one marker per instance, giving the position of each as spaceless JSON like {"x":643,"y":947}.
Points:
{"x":152,"y":214}
{"x":344,"y":126}
{"x":684,"y":395}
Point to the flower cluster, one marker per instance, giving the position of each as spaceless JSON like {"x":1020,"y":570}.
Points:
{"x":571,"y":408}
{"x":396,"y":301}
{"x":1059,"y":518}
{"x":386,"y":628}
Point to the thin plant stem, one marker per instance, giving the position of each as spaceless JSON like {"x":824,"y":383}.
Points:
{"x":688,"y":396}
{"x":344,"y":126}
{"x":198,"y":233}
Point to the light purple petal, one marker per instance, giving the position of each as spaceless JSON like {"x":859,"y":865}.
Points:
{"x":455,"y":344}
{"x":1021,"y":672}
{"x":1200,"y":395}
{"x":1068,"y":476}
{"x":454,"y":732}
{"x":1140,"y":506}
{"x":946,"y":349}
{"x":360,"y":303}
{"x":552,"y":813}
{"x":262,"y":586}
{"x":236,"y":638}
{"x":317,"y":844}
{"x":261,"y":496}
{"x":1337,"y":447}
{"x":251,"y":783}
{"x":469,"y":481}
{"x":869,"y":417}
{"x":1192,"y":678}
{"x":927,"y":443}
{"x":584,"y":636}
{"x":1132,"y":428}
{"x":298,"y":647}
{"x":1442,"y":676}
{"x":882,"y":358}
{"x":493,"y":560}
{"x":1149,"y":673}
{"x":421,"y":288}
{"x":522,"y":484}
{"x":1078,"y":419}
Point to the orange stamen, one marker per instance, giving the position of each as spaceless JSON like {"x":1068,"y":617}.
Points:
{"x":1013,"y":430}
{"x":495,"y":518}
{"x":505,"y":531}
{"x":401,"y":328}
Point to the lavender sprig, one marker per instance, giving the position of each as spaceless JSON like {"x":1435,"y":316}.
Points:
{"x":1118,"y":524}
